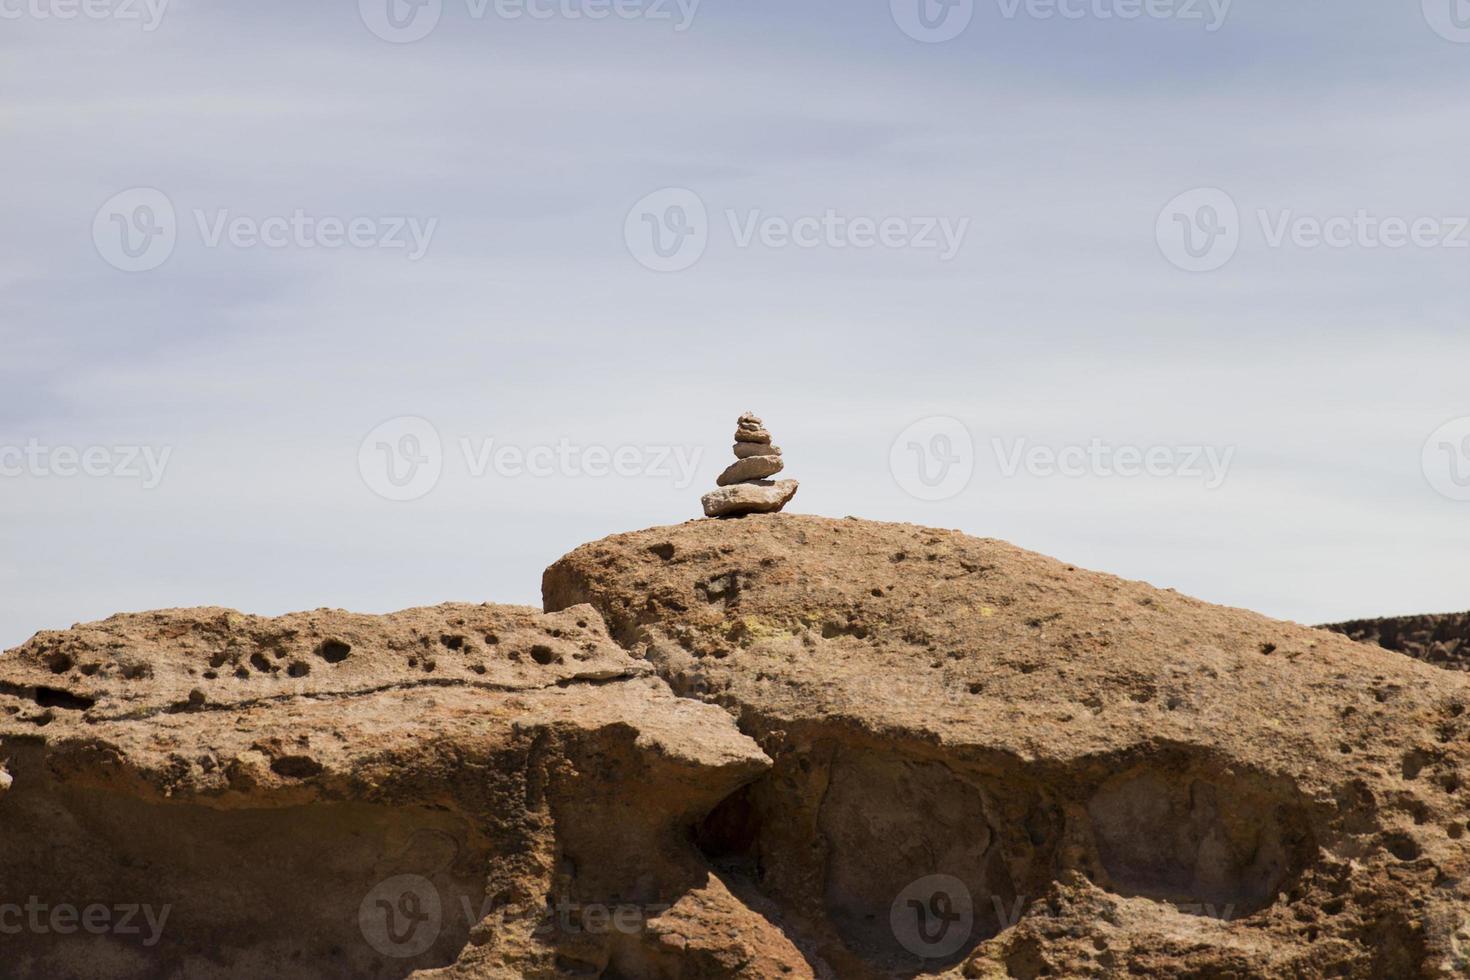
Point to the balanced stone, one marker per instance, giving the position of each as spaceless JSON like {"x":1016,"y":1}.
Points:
{"x":750,"y":468}
{"x":743,"y":487}
{"x":744,"y":449}
{"x":757,"y":497}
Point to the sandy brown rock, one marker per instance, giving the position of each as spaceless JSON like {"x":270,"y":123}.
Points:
{"x":482,"y":790}
{"x":750,"y":468}
{"x":752,"y":435}
{"x":759,"y":497}
{"x":1124,"y":781}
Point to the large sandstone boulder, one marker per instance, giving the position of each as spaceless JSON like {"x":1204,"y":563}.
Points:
{"x":482,"y":790}
{"x":988,"y":763}
{"x":776,"y":747}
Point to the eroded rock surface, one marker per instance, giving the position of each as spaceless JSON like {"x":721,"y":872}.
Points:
{"x":470,"y":791}
{"x":778,"y":747}
{"x":1077,"y":775}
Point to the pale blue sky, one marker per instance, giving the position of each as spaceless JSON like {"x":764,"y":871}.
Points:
{"x":528,"y":321}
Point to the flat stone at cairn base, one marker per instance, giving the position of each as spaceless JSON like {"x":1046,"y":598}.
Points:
{"x":759,"y":497}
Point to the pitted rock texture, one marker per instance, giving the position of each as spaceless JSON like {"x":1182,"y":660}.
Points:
{"x":1442,"y":640}
{"x":463,"y":790}
{"x":1078,"y":775}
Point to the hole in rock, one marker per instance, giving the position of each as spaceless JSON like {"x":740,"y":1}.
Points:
{"x":296,"y":766}
{"x":729,"y":834}
{"x":1402,"y":846}
{"x":334,"y":651}
{"x":51,"y":697}
{"x":1220,"y":846}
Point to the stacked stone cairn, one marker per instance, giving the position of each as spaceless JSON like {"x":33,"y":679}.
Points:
{"x":743,"y":487}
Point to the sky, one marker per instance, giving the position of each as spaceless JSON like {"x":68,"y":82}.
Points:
{"x":369,"y":306}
